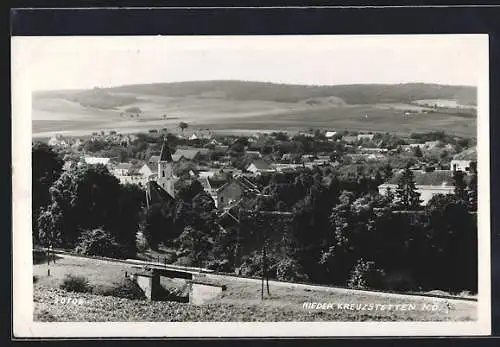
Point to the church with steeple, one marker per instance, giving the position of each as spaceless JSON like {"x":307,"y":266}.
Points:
{"x":166,"y":177}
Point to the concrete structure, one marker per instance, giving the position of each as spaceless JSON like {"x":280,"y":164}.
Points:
{"x":153,"y":280}
{"x":200,"y":292}
{"x":149,"y":283}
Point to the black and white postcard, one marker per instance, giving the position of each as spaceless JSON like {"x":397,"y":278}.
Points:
{"x":293,"y":185}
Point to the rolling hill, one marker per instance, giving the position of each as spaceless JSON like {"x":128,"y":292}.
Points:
{"x":258,"y":105}
{"x":351,"y":94}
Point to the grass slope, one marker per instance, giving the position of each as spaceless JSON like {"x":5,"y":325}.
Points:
{"x":240,"y":302}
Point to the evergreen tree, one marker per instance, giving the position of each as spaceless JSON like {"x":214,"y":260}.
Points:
{"x":460,"y":185}
{"x":417,"y":152}
{"x":472,"y":187}
{"x":387,"y":172}
{"x":406,"y":192}
{"x":46,"y":169}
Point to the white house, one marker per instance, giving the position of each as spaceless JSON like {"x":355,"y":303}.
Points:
{"x":122,"y":169}
{"x":253,"y":154}
{"x":365,"y":137}
{"x":211,"y":185}
{"x":206,"y":174}
{"x":427,"y":184}
{"x":259,"y":166}
{"x":350,"y":139}
{"x":96,"y":160}
{"x":431,"y":144}
{"x":462,"y":161}
{"x":330,"y":134}
{"x":148,"y":170}
{"x":58,"y":141}
{"x":412,"y":146}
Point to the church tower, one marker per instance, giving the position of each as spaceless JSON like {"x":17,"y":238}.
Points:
{"x":165,"y":169}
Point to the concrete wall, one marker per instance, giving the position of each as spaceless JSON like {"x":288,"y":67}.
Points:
{"x":200,"y":293}
{"x":146,"y":284}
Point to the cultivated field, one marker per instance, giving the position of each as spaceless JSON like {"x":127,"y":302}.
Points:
{"x":240,"y":302}
{"x":249,"y":105}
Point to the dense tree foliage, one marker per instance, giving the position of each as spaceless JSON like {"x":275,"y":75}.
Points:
{"x":46,"y":168}
{"x":406,"y":192}
{"x":88,"y":198}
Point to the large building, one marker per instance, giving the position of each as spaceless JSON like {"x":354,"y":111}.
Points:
{"x":166,"y":178}
{"x":427,"y":184}
{"x":234,"y":189}
{"x":463,"y":160}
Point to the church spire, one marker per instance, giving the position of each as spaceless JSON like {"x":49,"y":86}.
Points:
{"x":165,"y":154}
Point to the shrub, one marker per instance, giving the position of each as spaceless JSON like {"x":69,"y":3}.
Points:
{"x":98,"y":242}
{"x":220,"y":265}
{"x":141,"y":242}
{"x":184,"y":261}
{"x":365,"y":274}
{"x":127,"y":289}
{"x":399,"y":280}
{"x":251,"y":265}
{"x":39,"y":256}
{"x":289,"y":269}
{"x":72,"y":283}
{"x":171,"y":258}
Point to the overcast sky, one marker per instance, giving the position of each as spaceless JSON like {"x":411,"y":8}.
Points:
{"x":86,"y":62}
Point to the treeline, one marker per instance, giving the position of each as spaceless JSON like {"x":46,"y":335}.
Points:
{"x":86,"y":209}
{"x":358,"y":238}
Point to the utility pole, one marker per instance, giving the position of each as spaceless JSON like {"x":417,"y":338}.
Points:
{"x":263,"y":265}
{"x":265,"y":274}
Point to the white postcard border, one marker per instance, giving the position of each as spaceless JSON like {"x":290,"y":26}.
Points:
{"x":23,"y":325}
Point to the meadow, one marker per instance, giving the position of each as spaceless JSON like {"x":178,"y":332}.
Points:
{"x":240,"y":302}
{"x":249,"y":105}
